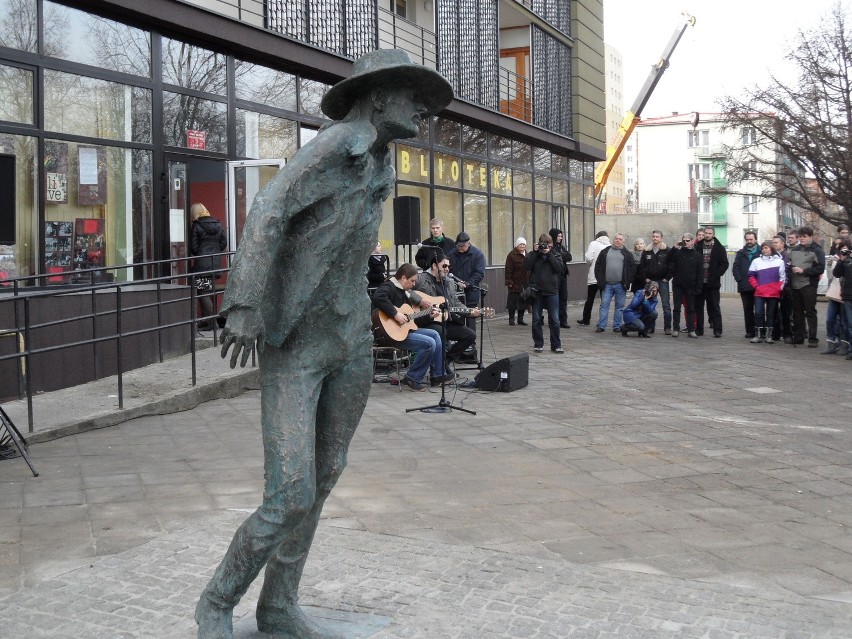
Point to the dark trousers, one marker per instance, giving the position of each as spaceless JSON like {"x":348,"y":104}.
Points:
{"x":687,"y":300}
{"x":747,"y":298}
{"x":563,"y":300}
{"x":551,"y":303}
{"x":804,"y":308}
{"x":458,"y":333}
{"x":591,"y":293}
{"x":714,"y":309}
{"x":783,"y":318}
{"x":643,"y":324}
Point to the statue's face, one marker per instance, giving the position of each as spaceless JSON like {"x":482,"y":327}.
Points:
{"x":402,"y":113}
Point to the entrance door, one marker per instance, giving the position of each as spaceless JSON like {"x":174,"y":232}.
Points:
{"x":192,"y":180}
{"x":245,"y":179}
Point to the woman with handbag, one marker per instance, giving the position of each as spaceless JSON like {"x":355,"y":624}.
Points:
{"x":206,"y":238}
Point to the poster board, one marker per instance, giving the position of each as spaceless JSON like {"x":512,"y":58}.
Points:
{"x":58,"y":256}
{"x":89,"y":243}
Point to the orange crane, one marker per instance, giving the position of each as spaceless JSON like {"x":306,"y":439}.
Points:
{"x":614,"y":149}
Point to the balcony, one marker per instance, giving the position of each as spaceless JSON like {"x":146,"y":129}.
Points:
{"x":710,"y":152}
{"x":398,"y":33}
{"x":516,"y":95}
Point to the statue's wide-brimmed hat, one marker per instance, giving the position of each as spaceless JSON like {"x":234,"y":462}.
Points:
{"x":391,"y":68}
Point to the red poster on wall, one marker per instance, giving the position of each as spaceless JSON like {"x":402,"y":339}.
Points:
{"x":196,"y":139}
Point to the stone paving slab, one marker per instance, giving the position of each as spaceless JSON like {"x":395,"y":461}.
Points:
{"x":413,"y":589}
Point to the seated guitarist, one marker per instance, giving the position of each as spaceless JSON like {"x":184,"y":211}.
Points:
{"x":388,"y":298}
{"x":435,"y":283}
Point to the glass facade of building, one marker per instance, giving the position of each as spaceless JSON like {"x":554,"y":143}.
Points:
{"x":95,"y":111}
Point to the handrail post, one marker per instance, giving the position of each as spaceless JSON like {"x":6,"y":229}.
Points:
{"x":95,"y":362}
{"x":118,"y":349}
{"x":28,"y":368}
{"x":193,"y":313}
{"x":160,"y":319}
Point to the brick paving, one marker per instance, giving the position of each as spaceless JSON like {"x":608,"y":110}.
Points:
{"x":636,"y":488}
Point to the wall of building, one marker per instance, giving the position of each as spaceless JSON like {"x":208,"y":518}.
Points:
{"x":588,"y":91}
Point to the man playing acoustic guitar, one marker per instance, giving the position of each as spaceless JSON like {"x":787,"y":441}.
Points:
{"x":391,"y":299}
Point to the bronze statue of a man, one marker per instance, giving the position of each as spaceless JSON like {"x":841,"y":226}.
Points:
{"x":298,"y":293}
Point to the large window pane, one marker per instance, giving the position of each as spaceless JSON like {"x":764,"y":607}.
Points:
{"x":501,"y":148}
{"x":19,"y":25}
{"x":447,"y":133}
{"x":206,"y":119}
{"x":310,"y":96}
{"x":97,"y":108}
{"x":90,"y":39}
{"x":266,"y":86}
{"x":189,"y":66}
{"x":475,"y":175}
{"x":476,"y":221}
{"x":524,"y":222}
{"x":98,"y":209}
{"x":16,"y":87}
{"x":473,"y":140}
{"x":502,"y":231}
{"x":577,"y":234}
{"x":412,"y":163}
{"x":448,"y":207}
{"x":261,"y":136}
{"x":522,"y":184}
{"x":542,"y":220}
{"x":18,"y":254}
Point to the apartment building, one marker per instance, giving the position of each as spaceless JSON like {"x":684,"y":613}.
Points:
{"x":678,"y":165}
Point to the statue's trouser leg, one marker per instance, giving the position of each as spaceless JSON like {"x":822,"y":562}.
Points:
{"x":290,"y":390}
{"x":342,"y":401}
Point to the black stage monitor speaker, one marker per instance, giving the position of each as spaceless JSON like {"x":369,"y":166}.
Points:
{"x":506,"y":375}
{"x":406,"y":220}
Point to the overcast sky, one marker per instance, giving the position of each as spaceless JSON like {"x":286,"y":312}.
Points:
{"x":733,"y":44}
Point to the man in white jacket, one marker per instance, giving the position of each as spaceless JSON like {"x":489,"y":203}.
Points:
{"x":597,"y":245}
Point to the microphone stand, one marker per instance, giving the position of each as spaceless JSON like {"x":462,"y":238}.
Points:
{"x":443,"y":405}
{"x":483,"y":290}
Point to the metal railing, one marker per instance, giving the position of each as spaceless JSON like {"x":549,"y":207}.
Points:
{"x":398,"y":33}
{"x":516,"y":95}
{"x":106,"y":324}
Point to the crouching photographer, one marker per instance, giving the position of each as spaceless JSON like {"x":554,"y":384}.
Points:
{"x":641,"y":314}
{"x":546,"y":270}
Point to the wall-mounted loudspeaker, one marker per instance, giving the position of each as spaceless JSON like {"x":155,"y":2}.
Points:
{"x":506,"y":375}
{"x":406,"y":220}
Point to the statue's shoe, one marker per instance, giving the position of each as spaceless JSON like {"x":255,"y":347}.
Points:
{"x":214,"y":622}
{"x":291,"y":623}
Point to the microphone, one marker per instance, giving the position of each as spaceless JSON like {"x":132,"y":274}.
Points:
{"x":454,"y":278}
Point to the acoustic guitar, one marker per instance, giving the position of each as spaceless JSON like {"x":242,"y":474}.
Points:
{"x":385,"y":328}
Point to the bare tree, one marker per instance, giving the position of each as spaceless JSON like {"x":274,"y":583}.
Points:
{"x":792,"y":134}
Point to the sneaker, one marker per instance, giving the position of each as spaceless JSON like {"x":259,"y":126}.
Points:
{"x":623,"y":331}
{"x":813,"y":342}
{"x":616,"y":330}
{"x":668,"y":331}
{"x":675,"y":333}
{"x":565,"y":325}
{"x":831,"y":347}
{"x":769,"y":339}
{"x":843,"y":349}
{"x":413,"y":385}
{"x":693,"y":334}
{"x":559,"y":350}
{"x":538,"y":349}
{"x":521,"y":323}
{"x":599,"y":330}
{"x":717,"y":333}
{"x":582,"y":323}
{"x":756,"y":339}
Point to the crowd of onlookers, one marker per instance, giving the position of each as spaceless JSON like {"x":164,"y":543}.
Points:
{"x":777,"y":281}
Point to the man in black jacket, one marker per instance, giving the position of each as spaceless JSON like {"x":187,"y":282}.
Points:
{"x":654,"y":267}
{"x":560,"y":250}
{"x":715,"y":265}
{"x":807,"y":263}
{"x":742,"y":262}
{"x":685,"y":272}
{"x":614,"y":270}
{"x":436,"y":243}
{"x":546,"y":270}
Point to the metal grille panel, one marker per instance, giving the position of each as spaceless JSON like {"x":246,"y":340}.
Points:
{"x":347,"y":27}
{"x":551,"y":83}
{"x":556,"y":12}
{"x":469,"y":49}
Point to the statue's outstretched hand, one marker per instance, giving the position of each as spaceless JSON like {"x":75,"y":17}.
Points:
{"x":241,"y":330}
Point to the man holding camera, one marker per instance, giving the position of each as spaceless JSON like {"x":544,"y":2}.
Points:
{"x":546,"y":270}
